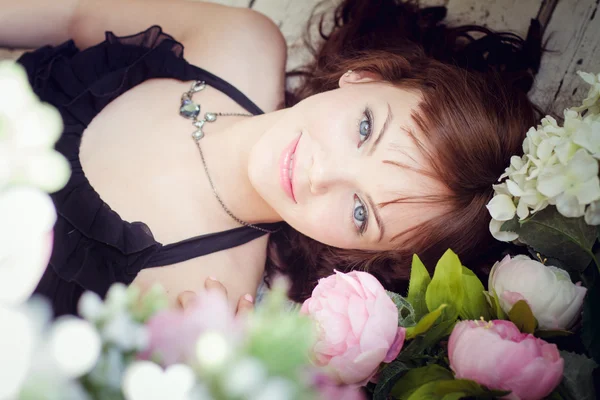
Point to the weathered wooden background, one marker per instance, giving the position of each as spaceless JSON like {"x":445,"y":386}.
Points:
{"x":572,"y":34}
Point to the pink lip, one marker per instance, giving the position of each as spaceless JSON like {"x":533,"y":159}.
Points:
{"x":286,"y":163}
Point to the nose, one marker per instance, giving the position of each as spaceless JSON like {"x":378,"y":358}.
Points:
{"x":327,"y":171}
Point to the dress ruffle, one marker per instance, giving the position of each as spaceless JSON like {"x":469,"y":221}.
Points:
{"x":93,"y":246}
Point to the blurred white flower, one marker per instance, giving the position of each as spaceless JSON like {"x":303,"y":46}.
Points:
{"x":75,"y":346}
{"x":15,"y":91}
{"x":213,"y":351}
{"x":120,"y":329}
{"x":17,"y":342}
{"x":27,"y":217}
{"x":145,"y":380}
{"x":276,"y":388}
{"x":244,"y":377}
{"x":90,"y":307}
{"x":28,"y":131}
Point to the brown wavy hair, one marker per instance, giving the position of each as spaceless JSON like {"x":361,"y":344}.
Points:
{"x":473,"y":117}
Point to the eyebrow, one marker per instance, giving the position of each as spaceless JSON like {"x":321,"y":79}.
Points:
{"x":378,"y":218}
{"x":383,"y":130}
{"x":386,"y":124}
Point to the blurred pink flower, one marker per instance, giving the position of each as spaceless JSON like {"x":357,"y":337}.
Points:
{"x":357,"y":326}
{"x":173,"y":333}
{"x":330,"y":390}
{"x":497,"y":355}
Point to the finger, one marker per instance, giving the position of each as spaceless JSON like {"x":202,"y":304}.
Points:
{"x":245,"y":304}
{"x":186,"y":298}
{"x":212,"y":283}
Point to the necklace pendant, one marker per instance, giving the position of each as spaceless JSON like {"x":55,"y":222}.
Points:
{"x":198,"y":86}
{"x":197,"y":135}
{"x":199,"y":124}
{"x":189,"y":109}
{"x":210,"y":117}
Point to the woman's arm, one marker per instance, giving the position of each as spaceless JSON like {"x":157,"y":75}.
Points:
{"x":34,"y":23}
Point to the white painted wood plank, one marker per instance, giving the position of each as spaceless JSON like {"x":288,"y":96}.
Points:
{"x":505,"y":15}
{"x":292,"y":18}
{"x":574,"y":38}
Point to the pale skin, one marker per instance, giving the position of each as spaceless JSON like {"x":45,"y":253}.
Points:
{"x":138,"y":154}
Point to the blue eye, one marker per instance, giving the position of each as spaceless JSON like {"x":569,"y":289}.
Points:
{"x":359,"y":215}
{"x":365,"y":127}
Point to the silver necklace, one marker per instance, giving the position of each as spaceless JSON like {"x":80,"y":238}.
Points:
{"x":191,"y":110}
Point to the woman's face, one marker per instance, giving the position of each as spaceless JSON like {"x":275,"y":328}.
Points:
{"x":328,"y":163}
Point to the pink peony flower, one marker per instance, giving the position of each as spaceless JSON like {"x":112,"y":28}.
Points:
{"x":330,"y":390}
{"x":173,"y":333}
{"x":497,"y":355}
{"x":357,"y":326}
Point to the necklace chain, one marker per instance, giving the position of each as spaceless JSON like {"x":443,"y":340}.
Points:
{"x":191,"y":110}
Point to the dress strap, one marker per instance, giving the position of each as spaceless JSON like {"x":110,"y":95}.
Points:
{"x":206,"y":244}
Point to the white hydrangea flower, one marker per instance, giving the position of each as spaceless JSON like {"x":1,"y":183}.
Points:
{"x":27,"y":217}
{"x":588,"y":136}
{"x":28,"y":131}
{"x":592,"y":213}
{"x":559,"y":167}
{"x":574,"y":185}
{"x":592,"y":101}
{"x":145,"y":380}
{"x":503,"y":236}
{"x":502,"y":207}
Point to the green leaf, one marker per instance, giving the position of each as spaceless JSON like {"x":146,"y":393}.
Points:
{"x":388,"y":377}
{"x":591,"y":321}
{"x":474,"y":303}
{"x":406,"y":313}
{"x":417,"y":286}
{"x":497,"y":311}
{"x":425,"y":323}
{"x":569,"y":240}
{"x":548,"y":334}
{"x":454,"y":389}
{"x":438,"y":331}
{"x":446,"y":286}
{"x":415,"y":378}
{"x":454,"y":396}
{"x":520,"y":314}
{"x":577,"y":376}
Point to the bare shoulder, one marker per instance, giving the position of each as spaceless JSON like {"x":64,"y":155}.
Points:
{"x":239,"y":45}
{"x":247,"y":50}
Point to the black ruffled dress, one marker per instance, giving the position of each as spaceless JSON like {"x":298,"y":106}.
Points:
{"x":93,"y":246}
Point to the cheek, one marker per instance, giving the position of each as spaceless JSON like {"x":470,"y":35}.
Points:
{"x":325,"y":222}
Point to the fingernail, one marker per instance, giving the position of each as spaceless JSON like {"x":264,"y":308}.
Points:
{"x":249,"y":298}
{"x":212,"y":278}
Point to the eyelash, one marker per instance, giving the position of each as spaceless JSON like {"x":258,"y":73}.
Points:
{"x":367,"y":117}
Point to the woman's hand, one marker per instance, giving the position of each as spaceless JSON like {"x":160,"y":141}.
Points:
{"x":245,"y":303}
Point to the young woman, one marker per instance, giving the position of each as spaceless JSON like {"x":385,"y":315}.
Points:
{"x":389,"y":147}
